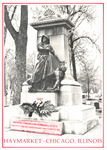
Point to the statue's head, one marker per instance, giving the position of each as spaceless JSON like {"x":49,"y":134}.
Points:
{"x":45,"y":39}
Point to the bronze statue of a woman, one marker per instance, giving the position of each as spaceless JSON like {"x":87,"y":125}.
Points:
{"x":45,"y":77}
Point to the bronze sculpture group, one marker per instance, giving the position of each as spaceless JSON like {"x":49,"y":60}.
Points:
{"x":49,"y":71}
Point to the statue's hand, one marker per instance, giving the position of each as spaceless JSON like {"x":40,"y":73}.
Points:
{"x":53,"y":52}
{"x":29,"y":81}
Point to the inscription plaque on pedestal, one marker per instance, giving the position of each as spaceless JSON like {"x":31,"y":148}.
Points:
{"x":44,"y":127}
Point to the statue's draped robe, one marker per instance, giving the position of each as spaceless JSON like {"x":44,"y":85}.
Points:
{"x":46,"y":66}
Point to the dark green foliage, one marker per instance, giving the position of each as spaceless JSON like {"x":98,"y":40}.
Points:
{"x":40,"y":108}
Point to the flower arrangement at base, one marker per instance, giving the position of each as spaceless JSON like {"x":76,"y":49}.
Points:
{"x":40,"y":108}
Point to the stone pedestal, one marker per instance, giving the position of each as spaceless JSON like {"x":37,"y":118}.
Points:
{"x":78,"y":119}
{"x":77,"y":112}
{"x":44,"y":127}
{"x":80,"y":127}
{"x":16,"y":112}
{"x":38,"y":96}
{"x":70,"y":95}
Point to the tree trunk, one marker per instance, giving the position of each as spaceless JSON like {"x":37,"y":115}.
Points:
{"x":21,"y":67}
{"x":5,"y":34}
{"x":74,"y":65}
{"x":21,"y":44}
{"x":88,"y":88}
{"x":20,"y":39}
{"x":5,"y":88}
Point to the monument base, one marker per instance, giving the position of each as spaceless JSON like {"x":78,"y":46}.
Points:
{"x":78,"y":119}
{"x":69,"y":120}
{"x":70,"y":93}
{"x":80,"y":127}
{"x":77,"y":112}
{"x":54,"y":127}
{"x":38,"y":96}
{"x":72,"y":117}
{"x":53,"y":117}
{"x":44,"y":127}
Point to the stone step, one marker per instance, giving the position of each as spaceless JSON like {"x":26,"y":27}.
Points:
{"x":68,"y":113}
{"x":80,"y":127}
{"x":71,"y":123}
{"x":44,"y":127}
{"x":77,"y":112}
{"x":53,"y":117}
{"x":16,"y":111}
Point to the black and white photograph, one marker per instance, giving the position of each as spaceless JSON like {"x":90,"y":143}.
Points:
{"x":52,"y":75}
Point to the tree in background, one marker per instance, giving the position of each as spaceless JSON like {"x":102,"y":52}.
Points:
{"x":79,"y":14}
{"x":30,"y":63}
{"x":20,"y":40}
{"x":7,"y":51}
{"x":89,"y":78}
{"x":11,"y":18}
{"x":10,"y":74}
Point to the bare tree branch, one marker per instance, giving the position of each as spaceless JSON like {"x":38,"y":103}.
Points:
{"x":8,"y":23}
{"x":5,"y":33}
{"x":87,"y":37}
{"x":13,"y":12}
{"x":79,"y":22}
{"x":5,"y":29}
